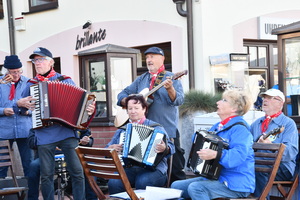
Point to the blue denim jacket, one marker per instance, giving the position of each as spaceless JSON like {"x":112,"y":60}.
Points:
{"x":17,"y":125}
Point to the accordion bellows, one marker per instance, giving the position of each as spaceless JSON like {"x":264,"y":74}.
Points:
{"x":60,"y":102}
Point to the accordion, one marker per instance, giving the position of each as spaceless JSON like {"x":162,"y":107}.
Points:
{"x":207,"y":168}
{"x":139,"y":146}
{"x":60,"y":102}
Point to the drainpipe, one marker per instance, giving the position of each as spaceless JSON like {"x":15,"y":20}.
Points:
{"x":11,"y":29}
{"x":190,"y":36}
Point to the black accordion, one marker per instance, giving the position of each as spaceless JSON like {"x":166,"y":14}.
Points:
{"x":60,"y":102}
{"x":139,"y":146}
{"x":207,"y":168}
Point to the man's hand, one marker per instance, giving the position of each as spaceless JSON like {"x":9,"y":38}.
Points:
{"x":27,"y":102}
{"x":262,"y":140}
{"x":85,"y":140}
{"x":8,"y":111}
{"x":91,"y":108}
{"x":168,"y":84}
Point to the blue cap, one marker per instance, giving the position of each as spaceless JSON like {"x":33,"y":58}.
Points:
{"x":155,"y":50}
{"x":12,"y":62}
{"x":40,"y":51}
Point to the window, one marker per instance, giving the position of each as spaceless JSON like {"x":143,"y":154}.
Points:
{"x":41,"y":5}
{"x":263,"y":60}
{"x":1,"y":9}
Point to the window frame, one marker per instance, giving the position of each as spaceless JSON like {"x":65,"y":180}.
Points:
{"x":42,"y":7}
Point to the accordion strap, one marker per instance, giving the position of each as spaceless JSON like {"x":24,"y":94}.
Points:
{"x":215,"y":162}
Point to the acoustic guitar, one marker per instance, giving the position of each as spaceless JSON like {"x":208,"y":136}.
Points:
{"x":122,"y":116}
{"x":273,"y":132}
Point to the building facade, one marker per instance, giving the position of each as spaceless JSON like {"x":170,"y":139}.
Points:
{"x":100,"y":44}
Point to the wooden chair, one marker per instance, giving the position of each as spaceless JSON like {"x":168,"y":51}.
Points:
{"x":6,"y":160}
{"x":287,"y":188}
{"x":269,"y":165}
{"x":105,"y":163}
{"x":169,"y":172}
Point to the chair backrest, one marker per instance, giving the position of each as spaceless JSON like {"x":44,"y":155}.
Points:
{"x":6,"y":160}
{"x":104,"y":163}
{"x":268,"y":162}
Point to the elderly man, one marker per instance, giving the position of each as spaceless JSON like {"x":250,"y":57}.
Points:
{"x":14,"y":126}
{"x":273,"y":101}
{"x":55,"y":134}
{"x":164,"y":108}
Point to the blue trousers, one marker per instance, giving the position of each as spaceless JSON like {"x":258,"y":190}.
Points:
{"x":283,"y":174}
{"x":200,"y":188}
{"x":138,"y":178}
{"x":47,"y":162}
{"x":26,"y":155}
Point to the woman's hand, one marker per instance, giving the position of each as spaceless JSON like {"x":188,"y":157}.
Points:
{"x":161,"y":147}
{"x":207,"y":154}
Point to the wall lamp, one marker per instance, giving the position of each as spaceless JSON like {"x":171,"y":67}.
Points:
{"x":87,"y":25}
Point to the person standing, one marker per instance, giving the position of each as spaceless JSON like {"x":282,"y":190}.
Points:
{"x":55,"y":134}
{"x":237,"y":173}
{"x":14,"y":125}
{"x":166,"y":100}
{"x":272,"y":105}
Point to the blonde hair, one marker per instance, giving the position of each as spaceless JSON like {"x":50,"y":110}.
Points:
{"x":239,"y":100}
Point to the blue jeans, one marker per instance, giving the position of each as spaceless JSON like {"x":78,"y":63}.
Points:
{"x":34,"y":180}
{"x":203,"y":189}
{"x":26,"y":155}
{"x":283,"y":174}
{"x":34,"y":183}
{"x":138,"y":178}
{"x":47,"y":162}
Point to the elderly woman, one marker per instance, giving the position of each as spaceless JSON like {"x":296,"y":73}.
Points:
{"x":140,"y":177}
{"x":237,"y":175}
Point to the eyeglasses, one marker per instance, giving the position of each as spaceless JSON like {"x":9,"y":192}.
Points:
{"x":270,"y":98}
{"x":15,"y":72}
{"x":38,"y":60}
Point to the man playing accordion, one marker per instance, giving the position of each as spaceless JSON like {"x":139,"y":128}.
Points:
{"x":140,"y":176}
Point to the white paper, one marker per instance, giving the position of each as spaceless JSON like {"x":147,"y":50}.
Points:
{"x":152,"y":193}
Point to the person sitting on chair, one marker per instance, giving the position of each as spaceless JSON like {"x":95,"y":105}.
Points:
{"x":237,"y":174}
{"x":273,"y":101}
{"x":140,"y":177}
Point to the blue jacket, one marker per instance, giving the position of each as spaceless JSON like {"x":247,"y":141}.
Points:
{"x":238,"y":160}
{"x":289,"y":137}
{"x":162,"y":110}
{"x":53,"y":133}
{"x":17,"y":125}
{"x":162,"y":166}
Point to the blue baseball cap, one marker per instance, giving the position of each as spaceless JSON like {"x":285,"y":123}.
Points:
{"x":155,"y":50}
{"x":40,"y":51}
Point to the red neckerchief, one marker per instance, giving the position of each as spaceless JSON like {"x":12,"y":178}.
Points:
{"x":12,"y":90}
{"x":225,"y":121}
{"x":45,"y":78}
{"x":265,"y":123}
{"x":154,"y":75}
{"x":141,"y":121}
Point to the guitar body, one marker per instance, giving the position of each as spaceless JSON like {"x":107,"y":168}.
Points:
{"x":121,"y":117}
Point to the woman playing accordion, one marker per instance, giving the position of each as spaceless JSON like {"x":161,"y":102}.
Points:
{"x":139,"y":172}
{"x":236,"y":178}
